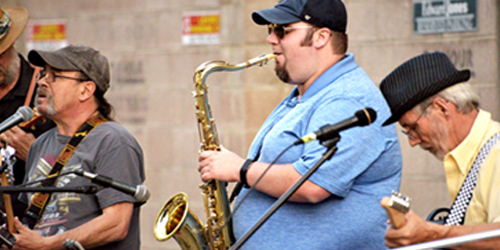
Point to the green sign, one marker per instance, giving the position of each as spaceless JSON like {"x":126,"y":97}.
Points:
{"x":442,"y":16}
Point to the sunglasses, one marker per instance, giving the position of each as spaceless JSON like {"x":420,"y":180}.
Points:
{"x":281,"y":31}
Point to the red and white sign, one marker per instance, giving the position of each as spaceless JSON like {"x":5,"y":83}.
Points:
{"x":201,"y":28}
{"x":46,"y":35}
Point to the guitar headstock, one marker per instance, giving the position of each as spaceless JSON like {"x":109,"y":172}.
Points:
{"x":396,"y":207}
{"x":7,"y":165}
{"x":7,"y":178}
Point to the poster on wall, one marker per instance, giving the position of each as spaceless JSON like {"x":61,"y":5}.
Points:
{"x":201,"y":28}
{"x":46,"y":34}
{"x":443,"y":16}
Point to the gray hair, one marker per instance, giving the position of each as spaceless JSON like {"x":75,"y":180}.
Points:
{"x":462,"y":95}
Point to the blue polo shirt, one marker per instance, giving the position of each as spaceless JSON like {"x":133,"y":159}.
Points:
{"x":366,"y":167}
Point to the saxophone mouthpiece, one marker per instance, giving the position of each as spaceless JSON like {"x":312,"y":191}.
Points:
{"x":264,"y":58}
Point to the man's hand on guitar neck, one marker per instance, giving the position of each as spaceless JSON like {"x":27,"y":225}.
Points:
{"x":415,"y":230}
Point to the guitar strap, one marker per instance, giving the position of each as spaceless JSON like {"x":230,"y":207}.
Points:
{"x":39,"y":200}
{"x":459,"y":207}
{"x":31,"y":90}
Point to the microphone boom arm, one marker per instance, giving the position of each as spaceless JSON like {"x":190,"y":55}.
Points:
{"x":83,"y":189}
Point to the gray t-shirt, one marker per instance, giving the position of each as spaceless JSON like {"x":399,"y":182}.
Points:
{"x":109,"y":150}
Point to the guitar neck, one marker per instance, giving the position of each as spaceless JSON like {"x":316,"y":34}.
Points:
{"x":8,"y":205}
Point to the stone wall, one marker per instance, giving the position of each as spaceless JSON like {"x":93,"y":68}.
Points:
{"x":152,"y":79}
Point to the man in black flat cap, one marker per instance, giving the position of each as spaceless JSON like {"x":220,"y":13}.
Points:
{"x":440,"y":112}
{"x":337,"y":207}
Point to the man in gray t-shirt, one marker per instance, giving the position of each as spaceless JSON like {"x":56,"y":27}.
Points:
{"x":71,"y":91}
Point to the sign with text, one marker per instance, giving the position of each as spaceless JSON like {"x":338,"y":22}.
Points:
{"x":442,"y":16}
{"x":200,"y":28}
{"x":46,"y":35}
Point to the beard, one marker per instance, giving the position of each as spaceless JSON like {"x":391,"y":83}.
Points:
{"x":440,"y":133}
{"x":10,"y":72}
{"x":282,"y":73}
{"x":51,"y":109}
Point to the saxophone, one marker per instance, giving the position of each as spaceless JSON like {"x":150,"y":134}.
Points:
{"x":175,"y":219}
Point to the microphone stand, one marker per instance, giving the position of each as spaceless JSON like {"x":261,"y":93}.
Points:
{"x":331,"y":146}
{"x":439,"y":244}
{"x":84,"y":189}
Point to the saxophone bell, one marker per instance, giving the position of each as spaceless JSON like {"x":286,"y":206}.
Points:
{"x":176,"y":220}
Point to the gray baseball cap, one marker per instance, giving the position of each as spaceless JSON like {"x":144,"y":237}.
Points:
{"x":76,"y":57}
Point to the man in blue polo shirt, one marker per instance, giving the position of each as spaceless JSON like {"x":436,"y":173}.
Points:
{"x":338,"y":207}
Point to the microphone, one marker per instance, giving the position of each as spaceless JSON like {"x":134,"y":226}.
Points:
{"x":23,"y":114}
{"x":362,"y":117}
{"x":139,"y":192}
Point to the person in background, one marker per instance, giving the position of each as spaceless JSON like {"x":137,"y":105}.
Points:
{"x":17,"y":87}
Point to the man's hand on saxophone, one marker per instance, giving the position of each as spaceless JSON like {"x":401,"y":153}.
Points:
{"x":223,"y":165}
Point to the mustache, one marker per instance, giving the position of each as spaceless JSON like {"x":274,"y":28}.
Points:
{"x":42,"y":91}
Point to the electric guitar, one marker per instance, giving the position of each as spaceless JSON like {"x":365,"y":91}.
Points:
{"x":7,"y":161}
{"x":396,"y":207}
{"x":7,"y":179}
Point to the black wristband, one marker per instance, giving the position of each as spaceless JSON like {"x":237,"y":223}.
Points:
{"x":243,"y":172}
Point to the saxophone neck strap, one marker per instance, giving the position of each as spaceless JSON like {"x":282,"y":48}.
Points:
{"x":39,"y":200}
{"x":464,"y":196}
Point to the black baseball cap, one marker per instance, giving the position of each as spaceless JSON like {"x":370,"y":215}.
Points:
{"x":331,"y":14}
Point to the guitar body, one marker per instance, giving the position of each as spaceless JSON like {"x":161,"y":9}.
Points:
{"x":438,"y":215}
{"x":396,"y":207}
